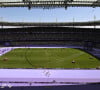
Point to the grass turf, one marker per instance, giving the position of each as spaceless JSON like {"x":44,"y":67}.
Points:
{"x":48,"y":58}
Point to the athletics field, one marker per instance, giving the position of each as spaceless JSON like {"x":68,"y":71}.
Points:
{"x":48,"y":58}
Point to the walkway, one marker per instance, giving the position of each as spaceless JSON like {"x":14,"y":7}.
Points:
{"x":42,"y":77}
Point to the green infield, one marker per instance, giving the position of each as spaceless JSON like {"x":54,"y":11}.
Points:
{"x":48,"y":58}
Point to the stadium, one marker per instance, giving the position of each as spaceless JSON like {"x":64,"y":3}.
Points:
{"x":47,"y":55}
{"x":74,"y":44}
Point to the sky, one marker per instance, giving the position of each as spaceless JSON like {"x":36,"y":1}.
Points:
{"x":22,"y":14}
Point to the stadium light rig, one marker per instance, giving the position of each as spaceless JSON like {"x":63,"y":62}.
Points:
{"x":30,"y":2}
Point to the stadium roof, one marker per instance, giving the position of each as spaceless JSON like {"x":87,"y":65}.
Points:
{"x":49,"y":3}
{"x":89,"y":23}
